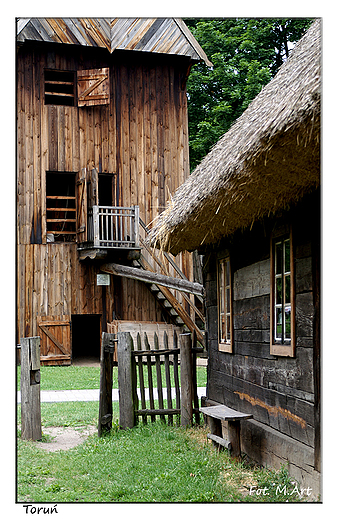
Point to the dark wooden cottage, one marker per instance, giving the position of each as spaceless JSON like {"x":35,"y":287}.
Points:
{"x":252,"y":208}
{"x":102,"y":142}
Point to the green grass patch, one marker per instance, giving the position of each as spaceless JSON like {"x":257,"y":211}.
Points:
{"x":88,"y":378}
{"x":152,"y":463}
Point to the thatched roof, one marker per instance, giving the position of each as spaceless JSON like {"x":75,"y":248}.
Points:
{"x":267,"y":160}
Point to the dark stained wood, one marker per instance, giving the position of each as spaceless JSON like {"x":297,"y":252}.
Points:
{"x":159,"y":377}
{"x":175,"y":371}
{"x":167,"y":377}
{"x":31,"y":428}
{"x":125,"y":375}
{"x":106,"y":384}
{"x":141,"y":377}
{"x":186,"y":380}
{"x":149,"y":376}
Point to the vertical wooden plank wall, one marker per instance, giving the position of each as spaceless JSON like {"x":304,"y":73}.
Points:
{"x":141,"y":136}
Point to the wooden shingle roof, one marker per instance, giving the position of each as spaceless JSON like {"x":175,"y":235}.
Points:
{"x":158,"y":35}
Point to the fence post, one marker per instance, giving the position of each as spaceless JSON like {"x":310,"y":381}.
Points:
{"x":125,"y":380}
{"x":106,"y":383}
{"x":186,"y":379}
{"x":31,"y":426}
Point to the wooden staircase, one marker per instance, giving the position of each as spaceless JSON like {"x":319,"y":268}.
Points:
{"x":181,"y":299}
{"x":184,"y":308}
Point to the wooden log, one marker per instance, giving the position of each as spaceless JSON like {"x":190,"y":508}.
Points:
{"x":126,"y":402}
{"x":31,"y":428}
{"x":150,"y":277}
{"x":186,"y":379}
{"x":106,"y":383}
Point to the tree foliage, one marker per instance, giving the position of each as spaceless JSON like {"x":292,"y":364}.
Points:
{"x":246,"y":53}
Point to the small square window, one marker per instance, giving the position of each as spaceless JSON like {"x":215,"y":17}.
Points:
{"x":59,"y":87}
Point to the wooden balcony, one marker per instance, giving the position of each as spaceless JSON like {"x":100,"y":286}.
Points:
{"x":111,"y":227}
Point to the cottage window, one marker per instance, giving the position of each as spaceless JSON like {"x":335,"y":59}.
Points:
{"x":282,"y":306}
{"x":59,"y":87}
{"x":225,"y":306}
{"x":60,"y":207}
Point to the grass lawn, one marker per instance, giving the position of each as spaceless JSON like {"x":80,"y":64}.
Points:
{"x":83,"y":378}
{"x":151,"y":463}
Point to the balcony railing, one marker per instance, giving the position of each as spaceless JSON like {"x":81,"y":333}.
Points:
{"x":113,"y":227}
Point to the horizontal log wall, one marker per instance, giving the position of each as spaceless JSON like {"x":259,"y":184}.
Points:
{"x":278,"y":391}
{"x":141,"y":136}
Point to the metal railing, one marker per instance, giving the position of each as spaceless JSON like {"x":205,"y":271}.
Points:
{"x":113,"y":226}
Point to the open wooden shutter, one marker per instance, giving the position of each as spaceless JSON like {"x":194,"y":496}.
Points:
{"x":55,"y":346}
{"x":93,"y":188}
{"x":81,"y":205}
{"x":93,"y":87}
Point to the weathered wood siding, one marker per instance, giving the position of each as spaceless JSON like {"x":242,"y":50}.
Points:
{"x":141,"y":136}
{"x":278,"y":391}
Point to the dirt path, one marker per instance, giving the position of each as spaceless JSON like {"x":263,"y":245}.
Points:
{"x":65,"y":438}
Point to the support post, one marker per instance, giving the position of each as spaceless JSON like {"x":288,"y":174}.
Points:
{"x":106,"y":383}
{"x":186,"y":379}
{"x":125,"y":380}
{"x":31,"y":425}
{"x":136,"y":226}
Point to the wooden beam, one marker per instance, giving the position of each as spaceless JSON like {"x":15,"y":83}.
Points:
{"x":149,"y":277}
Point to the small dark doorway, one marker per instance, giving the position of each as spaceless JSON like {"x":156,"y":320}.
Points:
{"x":86,"y":336}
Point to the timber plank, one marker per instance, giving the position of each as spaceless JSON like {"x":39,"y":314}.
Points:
{"x":167,"y":377}
{"x":159,"y":378}
{"x":141,"y":378}
{"x":149,"y":377}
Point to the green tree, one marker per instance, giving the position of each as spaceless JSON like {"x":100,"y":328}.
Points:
{"x":246,"y":53}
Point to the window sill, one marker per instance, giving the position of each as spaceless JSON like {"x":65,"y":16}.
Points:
{"x":225,"y":347}
{"x":282,"y":350}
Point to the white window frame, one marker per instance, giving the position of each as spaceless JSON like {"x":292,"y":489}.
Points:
{"x":282,"y":341}
{"x":225,"y":305}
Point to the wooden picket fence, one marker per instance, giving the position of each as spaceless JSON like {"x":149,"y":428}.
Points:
{"x":159,"y":381}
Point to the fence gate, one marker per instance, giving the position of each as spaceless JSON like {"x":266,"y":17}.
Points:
{"x":153,"y":381}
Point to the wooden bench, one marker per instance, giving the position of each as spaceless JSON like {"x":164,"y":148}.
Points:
{"x":224,"y":426}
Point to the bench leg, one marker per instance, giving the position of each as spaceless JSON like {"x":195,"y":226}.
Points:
{"x":215,"y":429}
{"x":232,"y":434}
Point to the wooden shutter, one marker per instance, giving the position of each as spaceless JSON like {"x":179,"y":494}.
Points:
{"x":93,"y":87}
{"x":81,"y":205}
{"x":93,"y":188}
{"x":55,"y":346}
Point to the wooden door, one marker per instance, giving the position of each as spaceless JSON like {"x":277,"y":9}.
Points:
{"x":55,"y":346}
{"x":82,"y":207}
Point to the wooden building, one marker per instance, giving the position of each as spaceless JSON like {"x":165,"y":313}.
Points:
{"x":252,"y":208}
{"x":102,"y":142}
